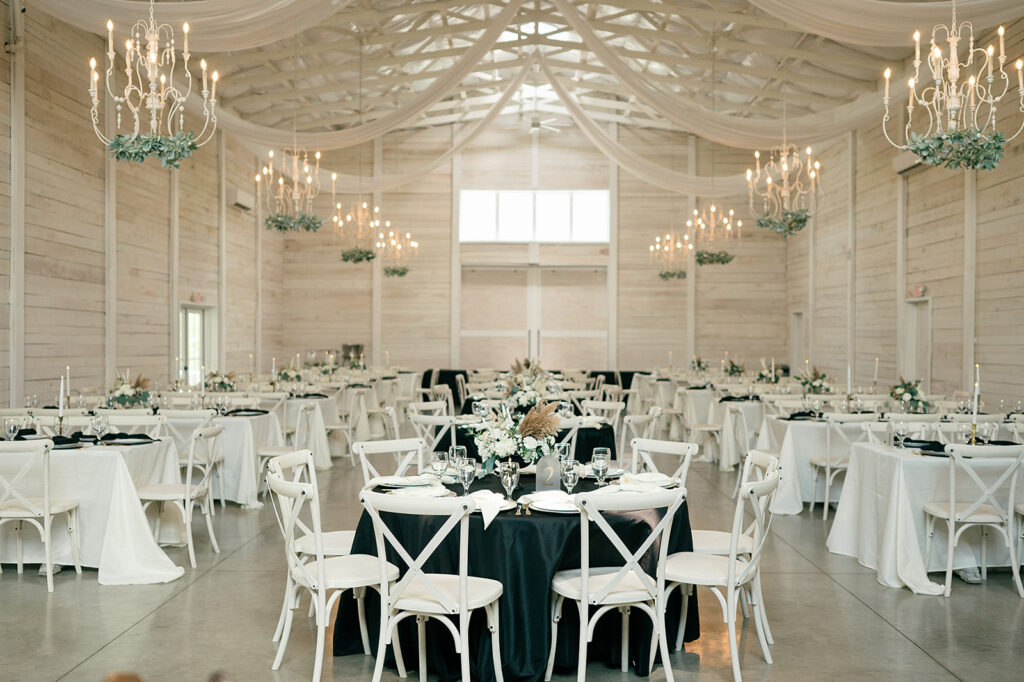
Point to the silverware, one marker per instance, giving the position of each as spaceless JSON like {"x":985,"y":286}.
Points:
{"x":519,"y":509}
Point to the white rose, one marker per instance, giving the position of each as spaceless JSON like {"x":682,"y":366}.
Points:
{"x":906,"y":397}
{"x":530,"y":443}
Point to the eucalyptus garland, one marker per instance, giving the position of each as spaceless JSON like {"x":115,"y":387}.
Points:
{"x":959,"y":148}
{"x":790,"y":222}
{"x":713,"y":257}
{"x":358,"y":255}
{"x":169,"y":149}
{"x":672,"y":274}
{"x":396,"y":270}
{"x":286,"y":223}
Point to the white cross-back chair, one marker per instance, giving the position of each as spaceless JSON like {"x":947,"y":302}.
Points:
{"x":460,"y":386}
{"x":610,"y":411}
{"x":644,"y":449}
{"x":311,"y":567}
{"x":982,"y":418}
{"x":429,"y":407}
{"x":185,"y":496}
{"x":786,"y":407}
{"x":274,"y":402}
{"x":46,"y":425}
{"x":638,"y":426}
{"x":25,"y":498}
{"x":406,"y":453}
{"x":302,"y":439}
{"x":432,"y":429}
{"x":836,"y":458}
{"x":732,"y":572}
{"x":444,"y":392}
{"x":431,"y":595}
{"x":757,"y":466}
{"x":182,"y":423}
{"x":696,"y":430}
{"x":879,"y":433}
{"x":578,"y":397}
{"x":153,"y":425}
{"x":741,"y":434}
{"x":617,"y":588}
{"x":571,"y":428}
{"x":988,"y":506}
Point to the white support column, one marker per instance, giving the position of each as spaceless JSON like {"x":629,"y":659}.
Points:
{"x":851,"y":255}
{"x":172,"y":277}
{"x":376,"y":332}
{"x":612,"y":270}
{"x":970,"y":273}
{"x":258,"y":241}
{"x":16,"y":331}
{"x":110,"y":252}
{"x":222,"y":252}
{"x":810,"y":280}
{"x":691,"y":261}
{"x":455,"y":310}
{"x":901,"y":269}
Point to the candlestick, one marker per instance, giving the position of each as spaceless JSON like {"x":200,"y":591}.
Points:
{"x":910,"y":99}
{"x":917,"y":46}
{"x":888,"y":74}
{"x":184,"y":30}
{"x":110,"y":37}
{"x":849,"y":376}
{"x":213,"y":92}
{"x":60,"y":398}
{"x":273,"y":366}
{"x":252,"y":364}
{"x":1020,"y":74}
{"x":1002,"y":44}
{"x":202,"y":380}
{"x":67,"y":370}
{"x":202,"y":63}
{"x":387,"y":359}
{"x":773,"y":370}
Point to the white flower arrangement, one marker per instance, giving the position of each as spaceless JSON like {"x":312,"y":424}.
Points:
{"x":289,"y":374}
{"x":529,"y":437}
{"x":909,"y":393}
{"x":128,"y":393}
{"x":816,"y":382}
{"x":220,"y":383}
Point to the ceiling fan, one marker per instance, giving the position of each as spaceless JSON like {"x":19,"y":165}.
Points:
{"x":537,"y":124}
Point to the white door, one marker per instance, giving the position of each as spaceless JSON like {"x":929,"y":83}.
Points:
{"x":917,"y":342}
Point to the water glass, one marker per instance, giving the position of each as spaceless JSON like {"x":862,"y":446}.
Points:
{"x":599,"y":462}
{"x":570,"y":476}
{"x":900,"y":429}
{"x":99,"y":425}
{"x":509,"y":477}
{"x":963,"y":432}
{"x":467,"y":473}
{"x":11,"y":427}
{"x":563,"y":453}
{"x":457,"y":454}
{"x":439,"y":462}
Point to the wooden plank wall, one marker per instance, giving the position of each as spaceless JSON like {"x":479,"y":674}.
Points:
{"x":5,"y":209}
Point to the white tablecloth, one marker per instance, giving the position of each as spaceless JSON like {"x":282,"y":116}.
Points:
{"x":797,"y":442}
{"x":113,"y":534}
{"x":729,"y":450}
{"x":324,"y":409}
{"x":881,"y":523}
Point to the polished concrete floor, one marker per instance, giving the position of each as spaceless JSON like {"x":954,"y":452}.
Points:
{"x":830,"y":618}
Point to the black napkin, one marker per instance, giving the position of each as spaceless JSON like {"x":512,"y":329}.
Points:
{"x":925,"y":445}
{"x":245,"y":412}
{"x":1001,"y":442}
{"x":63,"y":441}
{"x":356,"y":386}
{"x":737,"y":398}
{"x":312,"y":395}
{"x":702,"y":387}
{"x":84,"y":438}
{"x":803,"y":415}
{"x":126,"y":436}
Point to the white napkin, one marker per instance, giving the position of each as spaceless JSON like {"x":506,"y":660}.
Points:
{"x":489,"y":503}
{"x":548,"y":498}
{"x":528,"y":469}
{"x":422,"y":491}
{"x":647,"y":477}
{"x":420,"y":479}
{"x":631,"y":487}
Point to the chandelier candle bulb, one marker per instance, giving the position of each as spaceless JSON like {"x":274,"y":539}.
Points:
{"x":202,"y":63}
{"x":917,"y":47}
{"x":60,"y":399}
{"x":1020,"y":75}
{"x":875,"y":380}
{"x":1002,"y":45}
{"x":888,"y":75}
{"x":184,"y":30}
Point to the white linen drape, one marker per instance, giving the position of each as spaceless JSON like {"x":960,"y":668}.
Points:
{"x":883,"y":22}
{"x":215,"y":25}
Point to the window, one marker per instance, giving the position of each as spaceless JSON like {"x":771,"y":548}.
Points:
{"x":197,"y":346}
{"x":534,"y":216}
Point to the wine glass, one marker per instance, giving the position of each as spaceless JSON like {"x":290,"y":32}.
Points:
{"x":99,"y":425}
{"x":963,"y":432}
{"x":987,"y":430}
{"x":439,"y":462}
{"x":599,"y":463}
{"x":563,"y":454}
{"x":11,"y":427}
{"x":457,"y":455}
{"x":816,"y":405}
{"x":570,"y":476}
{"x":900,"y":428}
{"x":467,"y":473}
{"x":478,"y":409}
{"x":509,"y":477}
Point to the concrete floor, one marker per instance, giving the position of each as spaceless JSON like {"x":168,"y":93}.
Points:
{"x":830,"y":618}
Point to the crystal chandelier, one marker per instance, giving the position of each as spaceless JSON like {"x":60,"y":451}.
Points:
{"x":961,"y":114}
{"x":396,"y":250}
{"x":359,"y":230}
{"x":149,"y":91}
{"x":288,"y":200}
{"x":670,"y":253}
{"x":781,"y":191}
{"x":710,"y":225}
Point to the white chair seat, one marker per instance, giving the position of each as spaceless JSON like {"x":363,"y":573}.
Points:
{"x":166,"y":491}
{"x":629,"y":590}
{"x":418,"y":597}
{"x":13,"y":509}
{"x":821,"y":462}
{"x":274,"y":450}
{"x":691,"y":568}
{"x":717,"y":542}
{"x":985,"y":513}
{"x":336,"y":543}
{"x":706,"y":427}
{"x":347,"y":572}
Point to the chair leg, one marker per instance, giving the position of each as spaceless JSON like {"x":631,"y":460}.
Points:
{"x":951,"y":529}
{"x":984,"y":552}
{"x":187,"y":517}
{"x":828,"y":487}
{"x":1015,"y":562}
{"x":21,"y":547}
{"x":624,"y":643}
{"x":48,"y":550}
{"x":463,"y":645}
{"x":285,"y":608}
{"x":421,"y":638}
{"x":556,"y":616}
{"x":220,"y":482}
{"x":360,"y":594}
{"x":731,"y":623}
{"x":73,"y":532}
{"x":684,"y":592}
{"x":209,"y":523}
{"x":759,"y":595}
{"x":285,"y":632}
{"x":814,"y":488}
{"x":321,"y":629}
{"x":581,"y":665}
{"x":662,"y":636}
{"x":396,"y":646}
{"x":929,"y":534}
{"x":493,"y":623}
{"x":382,"y":644}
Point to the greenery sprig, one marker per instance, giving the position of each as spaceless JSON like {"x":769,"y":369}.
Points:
{"x":358,"y":255}
{"x":790,"y":222}
{"x":169,"y":149}
{"x":286,"y":223}
{"x":713,"y":257}
{"x":959,"y":148}
{"x":396,"y":270}
{"x":733,"y":369}
{"x":672,"y":274}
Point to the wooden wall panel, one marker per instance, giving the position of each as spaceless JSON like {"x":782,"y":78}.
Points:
{"x":241,"y":263}
{"x":5,"y":214}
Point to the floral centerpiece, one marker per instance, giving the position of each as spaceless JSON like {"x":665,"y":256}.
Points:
{"x":526,"y":384}
{"x":220,"y":383}
{"x":528,"y":437}
{"x":733,"y":370}
{"x":128,"y":393}
{"x":767,"y":376}
{"x":289,"y":374}
{"x":698,"y":364}
{"x":909,"y":393}
{"x":815,"y":382}
{"x":328,"y":368}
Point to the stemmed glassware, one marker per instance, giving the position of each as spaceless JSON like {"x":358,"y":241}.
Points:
{"x":900,"y":430}
{"x":570,"y":476}
{"x":11,"y":427}
{"x":456,"y":454}
{"x":563,"y":453}
{"x":439,"y":462}
{"x":467,"y":473}
{"x":599,"y":462}
{"x":99,"y":425}
{"x":509,"y":477}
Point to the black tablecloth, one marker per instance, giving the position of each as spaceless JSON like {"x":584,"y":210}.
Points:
{"x":610,"y":378}
{"x":523,"y":553}
{"x":587,"y":438}
{"x":446,"y":376}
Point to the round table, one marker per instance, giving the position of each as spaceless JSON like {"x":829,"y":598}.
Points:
{"x":523,"y":553}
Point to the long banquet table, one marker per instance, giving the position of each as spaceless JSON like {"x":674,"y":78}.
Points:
{"x":523,"y":553}
{"x":880,"y":520}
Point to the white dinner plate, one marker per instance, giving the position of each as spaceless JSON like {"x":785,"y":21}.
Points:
{"x":128,"y":441}
{"x":555,"y":507}
{"x":404,"y":481}
{"x":612,"y":473}
{"x":505,"y":506}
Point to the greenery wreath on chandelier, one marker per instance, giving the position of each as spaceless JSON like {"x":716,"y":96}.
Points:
{"x":169,"y":149}
{"x":669,"y":275}
{"x":959,"y":148}
{"x":286,"y":223}
{"x":396,"y":270}
{"x":788,"y":223}
{"x":713,"y":257}
{"x":358,"y":255}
